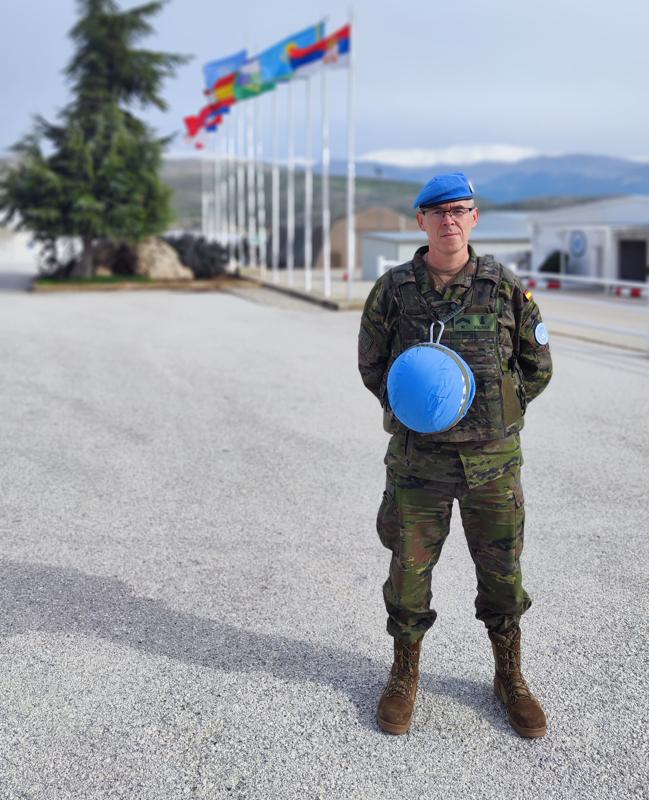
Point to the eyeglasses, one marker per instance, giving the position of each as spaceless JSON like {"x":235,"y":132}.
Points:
{"x":457,"y":212}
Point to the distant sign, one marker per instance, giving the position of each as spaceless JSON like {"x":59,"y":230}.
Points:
{"x":578,"y":244}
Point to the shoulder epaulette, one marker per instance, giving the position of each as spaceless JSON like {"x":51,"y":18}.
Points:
{"x":489,"y":269}
{"x":403,"y":273}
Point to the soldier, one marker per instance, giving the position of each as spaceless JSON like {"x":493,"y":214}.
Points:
{"x":495,"y":325}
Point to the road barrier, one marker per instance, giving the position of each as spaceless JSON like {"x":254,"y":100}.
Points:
{"x":618,"y":288}
{"x":562,"y":281}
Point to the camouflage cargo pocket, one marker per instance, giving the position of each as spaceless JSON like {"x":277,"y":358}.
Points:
{"x":387,"y":520}
{"x":512,"y":405}
{"x":390,"y":424}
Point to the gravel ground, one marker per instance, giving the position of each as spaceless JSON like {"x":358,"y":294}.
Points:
{"x":191,"y":594}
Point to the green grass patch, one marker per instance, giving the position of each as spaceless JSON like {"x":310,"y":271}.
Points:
{"x":95,"y":280}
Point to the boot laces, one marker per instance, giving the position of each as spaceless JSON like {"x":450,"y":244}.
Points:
{"x":516,"y":685}
{"x":401,"y":684}
{"x":403,"y":677}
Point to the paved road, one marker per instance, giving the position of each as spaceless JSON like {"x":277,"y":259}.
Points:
{"x":190,"y":589}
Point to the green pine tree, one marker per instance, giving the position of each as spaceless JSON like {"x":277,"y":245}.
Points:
{"x":99,"y":176}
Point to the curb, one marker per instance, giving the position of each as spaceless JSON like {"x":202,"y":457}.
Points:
{"x":207,"y":285}
{"x":222,"y":283}
{"x":324,"y":302}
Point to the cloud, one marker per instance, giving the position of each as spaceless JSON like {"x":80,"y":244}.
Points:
{"x":456,"y":154}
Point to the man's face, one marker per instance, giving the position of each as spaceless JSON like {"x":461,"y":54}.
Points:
{"x":447,"y":235}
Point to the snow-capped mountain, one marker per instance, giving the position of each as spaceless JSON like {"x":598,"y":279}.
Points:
{"x":507,"y":173}
{"x":456,"y":154}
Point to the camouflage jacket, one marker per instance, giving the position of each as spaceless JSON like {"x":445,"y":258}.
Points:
{"x":494,"y":331}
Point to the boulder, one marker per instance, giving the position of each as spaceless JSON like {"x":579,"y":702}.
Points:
{"x":159,"y":261}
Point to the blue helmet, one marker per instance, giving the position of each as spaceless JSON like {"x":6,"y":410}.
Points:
{"x":430,"y":387}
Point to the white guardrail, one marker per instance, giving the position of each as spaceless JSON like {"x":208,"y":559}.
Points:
{"x":559,"y":281}
{"x":556,"y":280}
{"x":619,"y":288}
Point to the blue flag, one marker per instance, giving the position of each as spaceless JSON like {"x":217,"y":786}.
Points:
{"x":213,"y":71}
{"x":275,"y":62}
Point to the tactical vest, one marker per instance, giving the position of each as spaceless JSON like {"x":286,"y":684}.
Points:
{"x":472,"y":329}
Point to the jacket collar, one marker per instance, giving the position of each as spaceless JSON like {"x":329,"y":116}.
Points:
{"x":463,"y":278}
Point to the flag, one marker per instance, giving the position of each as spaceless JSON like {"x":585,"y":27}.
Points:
{"x":275,"y":62}
{"x":194,"y":129}
{"x":249,"y":82}
{"x":215,"y":70}
{"x":224,"y":89}
{"x":192,"y":125}
{"x":330,"y":51}
{"x":213,"y":123}
{"x":205,"y":117}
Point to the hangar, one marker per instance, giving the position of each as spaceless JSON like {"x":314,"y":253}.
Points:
{"x":603,"y":239}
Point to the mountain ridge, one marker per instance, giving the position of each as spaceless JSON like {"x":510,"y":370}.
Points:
{"x":574,"y":175}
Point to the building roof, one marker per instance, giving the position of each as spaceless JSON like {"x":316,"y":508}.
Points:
{"x":396,"y":236}
{"x":493,"y":226}
{"x":615,"y":211}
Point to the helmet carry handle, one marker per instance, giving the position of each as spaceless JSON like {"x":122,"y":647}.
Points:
{"x":433,"y":340}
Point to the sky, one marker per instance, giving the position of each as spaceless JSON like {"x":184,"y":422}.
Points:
{"x":562,"y":76}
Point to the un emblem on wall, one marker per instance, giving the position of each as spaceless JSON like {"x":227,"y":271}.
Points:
{"x":578,"y":244}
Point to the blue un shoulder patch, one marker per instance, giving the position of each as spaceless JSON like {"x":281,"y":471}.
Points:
{"x":541,"y":334}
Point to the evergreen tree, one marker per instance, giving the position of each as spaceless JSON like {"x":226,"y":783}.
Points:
{"x":101,"y":179}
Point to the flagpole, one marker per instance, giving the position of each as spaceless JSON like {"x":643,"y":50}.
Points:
{"x":275,"y":190}
{"x":216,"y":209}
{"x":241,"y":209}
{"x":219,"y":185}
{"x":209,"y":155}
{"x":261,"y":192}
{"x":326,"y":213}
{"x":237,"y":182}
{"x":252,"y":198}
{"x":290,"y":195}
{"x":233,"y":196}
{"x":208,"y":179}
{"x":223,"y":222}
{"x":203,"y":196}
{"x":226,"y":196}
{"x":308,"y":192}
{"x":351,"y":169}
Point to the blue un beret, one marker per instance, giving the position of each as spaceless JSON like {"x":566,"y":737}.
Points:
{"x":444,"y":188}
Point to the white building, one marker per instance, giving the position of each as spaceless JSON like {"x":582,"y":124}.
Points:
{"x":503,"y":234}
{"x":17,"y":249}
{"x":603,"y":239}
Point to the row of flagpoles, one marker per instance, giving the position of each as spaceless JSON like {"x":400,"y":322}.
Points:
{"x":233,"y":195}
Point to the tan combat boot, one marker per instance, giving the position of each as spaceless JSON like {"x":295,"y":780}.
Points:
{"x":398,"y":699}
{"x":523,"y":709}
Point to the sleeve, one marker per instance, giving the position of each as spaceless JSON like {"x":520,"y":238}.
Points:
{"x":374,"y":341}
{"x":534,"y":357}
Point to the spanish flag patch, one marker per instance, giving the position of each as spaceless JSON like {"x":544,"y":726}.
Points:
{"x":527,"y":295}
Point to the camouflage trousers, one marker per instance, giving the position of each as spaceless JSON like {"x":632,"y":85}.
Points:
{"x":413,"y":522}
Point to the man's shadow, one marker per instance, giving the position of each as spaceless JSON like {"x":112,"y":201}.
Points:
{"x":47,"y":599}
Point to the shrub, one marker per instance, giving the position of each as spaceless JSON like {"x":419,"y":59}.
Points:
{"x":205,"y":259}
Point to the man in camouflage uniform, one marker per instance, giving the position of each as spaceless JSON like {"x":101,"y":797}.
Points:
{"x":495,"y":325}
